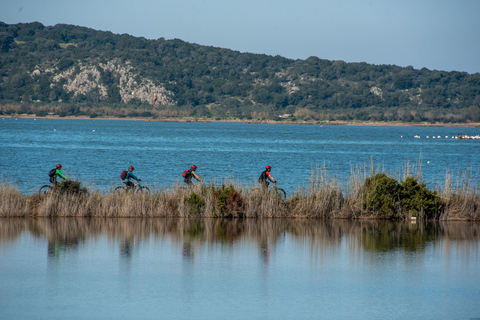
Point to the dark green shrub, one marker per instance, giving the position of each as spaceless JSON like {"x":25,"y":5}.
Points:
{"x":70,"y":187}
{"x":196,"y":203}
{"x":381,"y":196}
{"x":41,"y":113}
{"x":93,"y":115}
{"x":417,"y":200}
{"x":385,"y":197}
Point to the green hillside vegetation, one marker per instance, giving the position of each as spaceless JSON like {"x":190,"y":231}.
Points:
{"x":69,"y":70}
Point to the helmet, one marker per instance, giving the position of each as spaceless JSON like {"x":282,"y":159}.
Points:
{"x":268,"y":167}
{"x":59,"y":165}
{"x":131,"y":168}
{"x":194,"y":167}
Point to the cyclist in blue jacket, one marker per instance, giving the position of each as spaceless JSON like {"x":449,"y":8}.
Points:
{"x":129,"y":176}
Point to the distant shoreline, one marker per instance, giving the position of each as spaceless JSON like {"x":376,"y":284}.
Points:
{"x":298,"y":122}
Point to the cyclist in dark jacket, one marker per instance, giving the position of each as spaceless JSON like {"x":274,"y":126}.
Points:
{"x":266,"y":176}
{"x":191,"y":174}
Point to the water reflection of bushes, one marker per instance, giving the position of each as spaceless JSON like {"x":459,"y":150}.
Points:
{"x":319,"y":235}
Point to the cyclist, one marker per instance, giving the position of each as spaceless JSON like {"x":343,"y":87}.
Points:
{"x":265,"y":176}
{"x":54,"y":173}
{"x":189,"y":174}
{"x":129,"y":176}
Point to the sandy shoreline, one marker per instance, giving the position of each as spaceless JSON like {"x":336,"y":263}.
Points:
{"x":191,"y":119}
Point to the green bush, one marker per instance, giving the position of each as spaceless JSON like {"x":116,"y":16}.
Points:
{"x":196,"y":203}
{"x":417,"y":200}
{"x":385,"y":197}
{"x":70,"y":187}
{"x":41,"y":113}
{"x":381,"y":196}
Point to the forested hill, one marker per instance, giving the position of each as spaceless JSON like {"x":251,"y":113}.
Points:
{"x":71,"y":69}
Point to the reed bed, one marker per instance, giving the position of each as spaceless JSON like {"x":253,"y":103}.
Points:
{"x":325,"y":197}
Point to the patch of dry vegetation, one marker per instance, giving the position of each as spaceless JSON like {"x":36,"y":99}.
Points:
{"x":367,"y":194}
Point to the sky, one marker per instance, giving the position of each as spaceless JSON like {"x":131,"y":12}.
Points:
{"x":435,"y":34}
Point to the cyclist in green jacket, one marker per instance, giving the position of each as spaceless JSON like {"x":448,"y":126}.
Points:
{"x":54,"y":173}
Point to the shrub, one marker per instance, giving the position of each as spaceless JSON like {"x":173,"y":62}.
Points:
{"x":229,"y":202}
{"x":381,"y":195}
{"x":417,"y":200}
{"x":41,"y":113}
{"x":385,"y":197}
{"x":195,"y":202}
{"x":70,"y":187}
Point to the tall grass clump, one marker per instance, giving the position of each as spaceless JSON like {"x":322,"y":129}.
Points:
{"x":460,"y":197}
{"x":13,"y":203}
{"x":323,"y":198}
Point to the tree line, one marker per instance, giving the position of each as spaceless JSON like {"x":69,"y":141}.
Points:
{"x":41,"y":67}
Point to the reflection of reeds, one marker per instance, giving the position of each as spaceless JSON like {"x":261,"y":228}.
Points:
{"x":324,"y":197}
{"x":318,"y":236}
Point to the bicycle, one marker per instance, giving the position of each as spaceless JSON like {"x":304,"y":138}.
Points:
{"x":190,"y":186}
{"x":137,"y":188}
{"x":48,"y":189}
{"x":44,"y":190}
{"x":277,"y":191}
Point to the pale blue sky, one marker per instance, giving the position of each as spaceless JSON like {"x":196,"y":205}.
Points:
{"x":436,"y":34}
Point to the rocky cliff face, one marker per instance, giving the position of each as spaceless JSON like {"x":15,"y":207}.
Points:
{"x":89,"y":77}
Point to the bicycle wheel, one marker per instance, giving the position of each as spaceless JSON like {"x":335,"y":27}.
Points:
{"x":282,"y":193}
{"x":144,"y":190}
{"x":46,"y":189}
{"x":279,"y":192}
{"x":119,"y":190}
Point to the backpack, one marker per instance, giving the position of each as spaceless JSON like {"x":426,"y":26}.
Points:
{"x":51,"y":173}
{"x":123,"y":175}
{"x":185,"y":173}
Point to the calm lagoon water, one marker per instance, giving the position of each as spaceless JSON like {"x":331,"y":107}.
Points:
{"x":253,"y":269}
{"x":96,"y":151}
